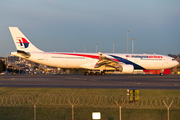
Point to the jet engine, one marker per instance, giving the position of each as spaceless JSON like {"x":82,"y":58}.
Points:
{"x":126,"y":68}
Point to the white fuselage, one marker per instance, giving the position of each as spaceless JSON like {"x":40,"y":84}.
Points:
{"x":89,"y":60}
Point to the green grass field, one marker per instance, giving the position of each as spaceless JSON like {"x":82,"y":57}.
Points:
{"x":11,"y":107}
{"x":121,"y":92}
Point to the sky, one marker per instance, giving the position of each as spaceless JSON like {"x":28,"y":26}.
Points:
{"x":68,"y":25}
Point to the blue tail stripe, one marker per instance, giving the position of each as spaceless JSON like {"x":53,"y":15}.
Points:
{"x":26,"y":45}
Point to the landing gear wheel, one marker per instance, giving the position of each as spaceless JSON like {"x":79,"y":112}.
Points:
{"x":91,"y":73}
{"x":161,"y":74}
{"x":103,"y":73}
{"x":97,"y":73}
{"x":86,"y":73}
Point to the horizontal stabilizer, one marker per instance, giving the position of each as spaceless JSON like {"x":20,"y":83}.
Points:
{"x":24,"y":54}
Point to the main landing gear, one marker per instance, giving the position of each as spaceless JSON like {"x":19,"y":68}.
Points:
{"x":94,"y":73}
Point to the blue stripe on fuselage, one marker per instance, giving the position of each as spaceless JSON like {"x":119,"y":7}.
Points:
{"x":120,"y":59}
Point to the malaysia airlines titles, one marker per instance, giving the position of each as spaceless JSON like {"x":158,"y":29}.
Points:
{"x":145,"y":56}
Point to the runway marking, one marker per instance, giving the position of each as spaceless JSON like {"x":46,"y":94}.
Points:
{"x":74,"y":78}
{"x":137,"y":76}
{"x":138,"y":83}
{"x":92,"y":80}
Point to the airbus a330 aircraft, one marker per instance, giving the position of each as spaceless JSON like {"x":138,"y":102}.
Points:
{"x":94,"y":63}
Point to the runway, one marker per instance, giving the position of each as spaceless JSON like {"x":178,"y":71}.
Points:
{"x":81,"y":81}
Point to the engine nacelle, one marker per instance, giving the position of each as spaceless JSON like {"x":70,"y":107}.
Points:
{"x":126,"y":68}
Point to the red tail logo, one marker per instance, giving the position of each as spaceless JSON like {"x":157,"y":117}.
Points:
{"x":22,"y":41}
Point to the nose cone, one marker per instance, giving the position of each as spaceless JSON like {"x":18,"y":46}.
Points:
{"x":176,"y":63}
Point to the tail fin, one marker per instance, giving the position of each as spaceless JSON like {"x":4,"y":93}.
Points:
{"x":21,"y":42}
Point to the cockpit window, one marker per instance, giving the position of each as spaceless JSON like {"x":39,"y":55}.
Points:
{"x":173,"y":59}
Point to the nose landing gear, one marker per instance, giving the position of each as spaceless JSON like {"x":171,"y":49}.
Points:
{"x":162,"y":72}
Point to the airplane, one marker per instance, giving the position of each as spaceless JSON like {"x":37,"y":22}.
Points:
{"x":93,"y":63}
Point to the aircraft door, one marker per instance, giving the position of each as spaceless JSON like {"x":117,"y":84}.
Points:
{"x":45,"y":57}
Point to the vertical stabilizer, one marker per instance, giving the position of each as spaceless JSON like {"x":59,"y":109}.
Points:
{"x":21,"y":42}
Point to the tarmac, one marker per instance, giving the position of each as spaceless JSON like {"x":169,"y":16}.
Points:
{"x":80,"y":81}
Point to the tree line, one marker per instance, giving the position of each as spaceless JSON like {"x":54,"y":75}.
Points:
{"x":174,"y":56}
{"x":2,"y":66}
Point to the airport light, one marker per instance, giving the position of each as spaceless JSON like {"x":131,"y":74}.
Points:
{"x":113,"y":45}
{"x":7,"y":61}
{"x":96,"y":46}
{"x":84,"y":48}
{"x":132,"y":46}
{"x":96,"y":115}
{"x":127,"y":39}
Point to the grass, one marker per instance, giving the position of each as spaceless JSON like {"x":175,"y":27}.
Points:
{"x":120,"y":92}
{"x":56,"y":112}
{"x":59,"y":113}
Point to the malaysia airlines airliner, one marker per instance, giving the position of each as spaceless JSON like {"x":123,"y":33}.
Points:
{"x":93,"y":63}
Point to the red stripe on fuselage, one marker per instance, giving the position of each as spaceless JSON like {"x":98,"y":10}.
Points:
{"x":83,"y":55}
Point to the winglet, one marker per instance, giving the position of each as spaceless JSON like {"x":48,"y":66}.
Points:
{"x":101,"y":56}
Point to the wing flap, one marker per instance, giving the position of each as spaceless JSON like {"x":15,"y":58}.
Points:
{"x":105,"y":61}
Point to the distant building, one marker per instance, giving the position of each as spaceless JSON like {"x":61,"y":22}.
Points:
{"x":2,"y":58}
{"x":178,"y":59}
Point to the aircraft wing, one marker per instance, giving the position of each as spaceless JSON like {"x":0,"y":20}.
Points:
{"x":105,"y":61}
